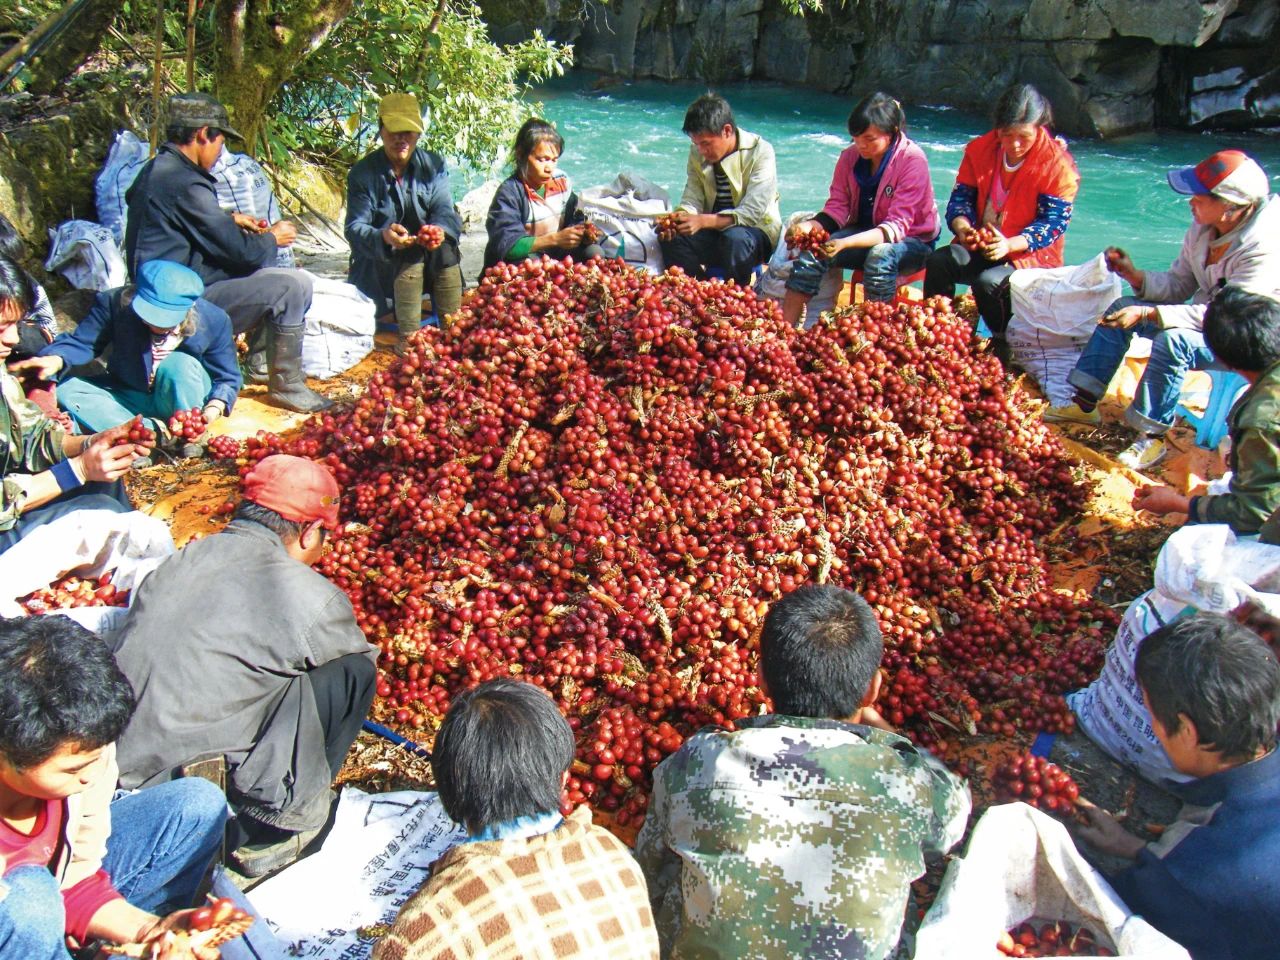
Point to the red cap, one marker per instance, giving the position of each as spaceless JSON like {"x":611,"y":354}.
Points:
{"x":1228,"y":174}
{"x":298,"y":489}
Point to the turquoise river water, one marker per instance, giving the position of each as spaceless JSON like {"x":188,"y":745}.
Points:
{"x":1124,"y":197}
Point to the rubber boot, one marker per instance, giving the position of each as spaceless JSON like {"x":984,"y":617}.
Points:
{"x":288,"y":387}
{"x":407,"y":293}
{"x":257,"y":368}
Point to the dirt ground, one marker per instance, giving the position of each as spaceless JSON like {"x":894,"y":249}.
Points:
{"x":1108,"y":553}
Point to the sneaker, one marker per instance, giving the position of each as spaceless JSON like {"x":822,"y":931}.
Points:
{"x":1144,"y":453}
{"x":1071,"y":413}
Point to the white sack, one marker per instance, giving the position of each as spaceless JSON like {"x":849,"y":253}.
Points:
{"x":125,"y":159}
{"x":87,"y":255}
{"x":1200,"y":567}
{"x":625,"y":211}
{"x":87,"y":543}
{"x":772,"y":281}
{"x":242,"y":186}
{"x":382,"y":847}
{"x":339,"y":328}
{"x":1066,"y":301}
{"x":1021,"y":864}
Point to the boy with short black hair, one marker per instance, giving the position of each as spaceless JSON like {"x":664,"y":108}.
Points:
{"x":75,"y":863}
{"x":728,"y":216}
{"x":798,"y":833}
{"x":1243,"y":331}
{"x":1213,"y":689}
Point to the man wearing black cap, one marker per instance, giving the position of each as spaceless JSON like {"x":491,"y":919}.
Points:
{"x":174,"y":215}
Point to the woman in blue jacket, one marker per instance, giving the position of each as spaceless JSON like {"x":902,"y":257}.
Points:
{"x":171,"y":350}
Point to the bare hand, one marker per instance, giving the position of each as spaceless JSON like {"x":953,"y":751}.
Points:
{"x":571,"y":237}
{"x":248,"y":224}
{"x":1126,"y":318}
{"x":213,"y":411}
{"x":835,"y":245}
{"x":997,"y":250}
{"x":168,"y":947}
{"x":1103,"y":832}
{"x":1160,"y":499}
{"x":964,"y":232}
{"x":687,"y":224}
{"x":38,"y":368}
{"x":801,"y":228}
{"x":1118,"y":262}
{"x":284,"y":232}
{"x":102,"y":459}
{"x":398,"y":238}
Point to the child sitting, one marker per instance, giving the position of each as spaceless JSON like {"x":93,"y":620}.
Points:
{"x":1243,"y":331}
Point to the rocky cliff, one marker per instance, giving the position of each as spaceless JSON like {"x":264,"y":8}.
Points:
{"x":1110,"y":66}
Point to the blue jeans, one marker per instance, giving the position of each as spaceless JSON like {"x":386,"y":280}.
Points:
{"x":162,"y":840}
{"x":98,"y":404}
{"x":881,"y":265}
{"x":1173,"y":352}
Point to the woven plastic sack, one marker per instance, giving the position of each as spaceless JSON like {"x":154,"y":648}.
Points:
{"x":242,"y":186}
{"x":124,"y":160}
{"x":87,"y":255}
{"x":339,"y":328}
{"x":625,"y":210}
{"x":1021,"y":865}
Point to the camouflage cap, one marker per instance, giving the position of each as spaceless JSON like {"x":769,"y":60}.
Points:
{"x":200,"y":110}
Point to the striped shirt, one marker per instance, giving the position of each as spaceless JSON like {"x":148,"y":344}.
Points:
{"x":724,"y":194}
{"x":161,"y":346}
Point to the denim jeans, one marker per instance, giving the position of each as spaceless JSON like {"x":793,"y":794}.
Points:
{"x":1173,"y":352}
{"x":162,"y":840}
{"x":736,"y":250}
{"x":103,"y":402}
{"x":881,"y":265}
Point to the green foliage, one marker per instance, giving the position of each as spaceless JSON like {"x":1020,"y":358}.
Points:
{"x":471,"y":88}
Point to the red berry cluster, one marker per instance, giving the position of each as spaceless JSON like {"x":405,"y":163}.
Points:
{"x":225,"y":447}
{"x":263,"y":224}
{"x":214,"y":914}
{"x":139,"y":432}
{"x":430,"y":236}
{"x":188,"y":424}
{"x":597,"y":480}
{"x":73,"y":591}
{"x":981,"y":236}
{"x":1036,"y":781}
{"x":590,"y":232}
{"x":812,"y":240}
{"x":1055,"y":938}
{"x":666,"y":226}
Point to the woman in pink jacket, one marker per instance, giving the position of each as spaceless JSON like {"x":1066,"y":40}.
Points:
{"x":880,"y":213}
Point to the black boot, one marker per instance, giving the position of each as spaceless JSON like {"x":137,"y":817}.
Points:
{"x":256,"y":366}
{"x":288,"y":386}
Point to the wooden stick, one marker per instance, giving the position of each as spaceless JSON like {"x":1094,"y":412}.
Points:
{"x":157,"y":82}
{"x":191,"y":46}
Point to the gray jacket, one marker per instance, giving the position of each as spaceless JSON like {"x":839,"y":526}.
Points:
{"x":217,"y":644}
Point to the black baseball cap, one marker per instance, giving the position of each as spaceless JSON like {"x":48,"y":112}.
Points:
{"x":200,"y":110}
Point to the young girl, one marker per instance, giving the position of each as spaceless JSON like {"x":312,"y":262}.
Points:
{"x":535,"y":209}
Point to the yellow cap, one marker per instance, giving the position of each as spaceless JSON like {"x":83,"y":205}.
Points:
{"x":399,"y":112}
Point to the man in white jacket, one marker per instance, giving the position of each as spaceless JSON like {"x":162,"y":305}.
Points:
{"x":1234,"y":238}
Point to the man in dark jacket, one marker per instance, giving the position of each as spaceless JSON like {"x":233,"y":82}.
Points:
{"x":240,"y":652}
{"x":174,"y":215}
{"x":392,"y":194}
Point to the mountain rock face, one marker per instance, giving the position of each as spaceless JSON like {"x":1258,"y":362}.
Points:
{"x":1111,"y":67}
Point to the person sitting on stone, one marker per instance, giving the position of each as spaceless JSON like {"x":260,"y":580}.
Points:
{"x":728,"y":217}
{"x":1234,"y":238}
{"x":168,"y":349}
{"x":880,"y":212}
{"x":174,"y":215}
{"x":535,"y":210}
{"x":392,"y":194}
{"x":240,"y":652}
{"x":526,"y":882}
{"x":1242,"y":330}
{"x":1010,"y":207}
{"x":46,"y":471}
{"x":75,"y":862}
{"x":798,"y":834}
{"x":40,"y":325}
{"x":1213,"y":689}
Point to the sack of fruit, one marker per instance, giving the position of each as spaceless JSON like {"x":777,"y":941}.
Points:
{"x":1022,"y":878}
{"x":624,"y":212}
{"x":84,"y":565}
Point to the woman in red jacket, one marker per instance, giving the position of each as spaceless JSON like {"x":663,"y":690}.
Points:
{"x":1018,"y":180}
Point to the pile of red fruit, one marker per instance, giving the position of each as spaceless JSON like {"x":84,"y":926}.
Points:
{"x":139,"y":432}
{"x":813,"y":240}
{"x":225,"y":447}
{"x":72,"y":591}
{"x":1055,"y":938}
{"x":666,"y":226}
{"x":430,"y":236}
{"x":188,"y":424}
{"x":596,"y":479}
{"x":1036,"y":781}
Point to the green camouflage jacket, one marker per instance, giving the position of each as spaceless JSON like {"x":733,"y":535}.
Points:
{"x":793,"y":837}
{"x":1254,"y":460}
{"x":29,"y":443}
